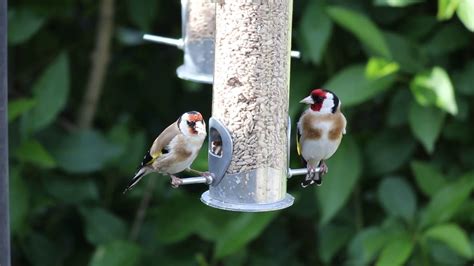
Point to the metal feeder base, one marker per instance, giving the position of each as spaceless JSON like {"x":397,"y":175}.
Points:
{"x":247,"y":207}
{"x":184,"y":72}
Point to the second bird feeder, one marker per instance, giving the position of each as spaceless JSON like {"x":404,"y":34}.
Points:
{"x":248,"y":138}
{"x":198,"y":24}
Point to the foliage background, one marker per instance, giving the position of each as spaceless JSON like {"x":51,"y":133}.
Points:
{"x":399,"y":190}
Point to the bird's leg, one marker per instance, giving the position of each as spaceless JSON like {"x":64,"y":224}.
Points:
{"x":311,"y":173}
{"x":195,"y":172}
{"x":308,"y":180}
{"x":176,"y":181}
{"x":323,"y":168}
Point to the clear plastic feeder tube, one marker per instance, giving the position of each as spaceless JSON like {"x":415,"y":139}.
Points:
{"x":251,"y":98}
{"x":198,"y":27}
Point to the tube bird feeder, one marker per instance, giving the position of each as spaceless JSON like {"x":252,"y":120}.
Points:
{"x":198,"y":30}
{"x":198,"y":26}
{"x":248,"y":138}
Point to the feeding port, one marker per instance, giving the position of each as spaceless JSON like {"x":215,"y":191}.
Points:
{"x":250,"y":102}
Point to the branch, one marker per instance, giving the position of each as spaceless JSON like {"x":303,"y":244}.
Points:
{"x":100,"y":60}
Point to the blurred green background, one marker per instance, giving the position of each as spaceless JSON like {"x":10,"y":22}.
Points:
{"x":399,"y":190}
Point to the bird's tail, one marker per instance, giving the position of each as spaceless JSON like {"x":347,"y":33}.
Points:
{"x":138,"y":176}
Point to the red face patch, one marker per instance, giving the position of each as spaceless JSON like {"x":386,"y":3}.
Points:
{"x":195,"y":117}
{"x":318,"y":96}
{"x":319,"y":93}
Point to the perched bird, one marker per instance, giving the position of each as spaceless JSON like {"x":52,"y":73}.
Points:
{"x":174,"y":150}
{"x":320,"y":130}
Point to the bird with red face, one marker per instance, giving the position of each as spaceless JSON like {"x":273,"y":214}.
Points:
{"x":320,"y":130}
{"x":174,"y":150}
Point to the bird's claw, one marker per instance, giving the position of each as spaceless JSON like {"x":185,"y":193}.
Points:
{"x":209,"y":177}
{"x":323,"y":168}
{"x":176,"y":181}
{"x":311,"y":173}
{"x":206,"y":174}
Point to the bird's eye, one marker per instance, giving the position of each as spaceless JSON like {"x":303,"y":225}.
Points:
{"x":319,"y":99}
{"x":191,"y":123}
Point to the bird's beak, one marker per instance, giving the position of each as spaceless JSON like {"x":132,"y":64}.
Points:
{"x":307,"y":100}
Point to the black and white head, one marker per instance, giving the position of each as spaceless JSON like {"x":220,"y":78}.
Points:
{"x":192,"y":124}
{"x":323,"y":101}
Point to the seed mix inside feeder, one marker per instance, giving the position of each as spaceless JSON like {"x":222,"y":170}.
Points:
{"x":249,"y":41}
{"x":250,"y":105}
{"x":198,"y":29}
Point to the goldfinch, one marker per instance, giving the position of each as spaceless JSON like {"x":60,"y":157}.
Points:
{"x":320,"y":130}
{"x":174,"y":150}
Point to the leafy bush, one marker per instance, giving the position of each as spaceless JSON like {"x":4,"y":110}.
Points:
{"x":399,"y":190}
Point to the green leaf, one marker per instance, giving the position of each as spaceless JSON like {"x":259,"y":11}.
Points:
{"x":332,"y":238}
{"x":116,"y":253}
{"x":443,"y":255}
{"x":84,"y":151}
{"x":388,"y":151}
{"x":214,"y":223}
{"x":379,"y":67}
{"x":316,"y":28}
{"x":19,"y":202}
{"x":434,"y":88}
{"x":446,"y":202}
{"x":417,"y":27}
{"x":397,"y":115}
{"x":132,"y":145}
{"x":362,"y":27}
{"x":33,"y":152}
{"x":41,"y":250}
{"x":366,"y":244}
{"x":143,"y":12}
{"x":50,"y":93}
{"x":396,"y":252}
{"x":406,"y":53}
{"x":397,"y":198}
{"x":429,"y":180}
{"x":446,"y":8}
{"x":72,"y":191}
{"x":345,"y":168}
{"x":101,"y":226}
{"x":19,"y":106}
{"x":448,"y":39}
{"x":426,"y":124}
{"x":184,"y":222}
{"x":464,"y":79}
{"x":464,"y":12}
{"x":453,"y":236}
{"x":396,"y":3}
{"x":353,"y":87}
{"x":22,"y":25}
{"x":243,"y":229}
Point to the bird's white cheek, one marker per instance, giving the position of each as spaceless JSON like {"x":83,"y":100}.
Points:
{"x":200,"y":129}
